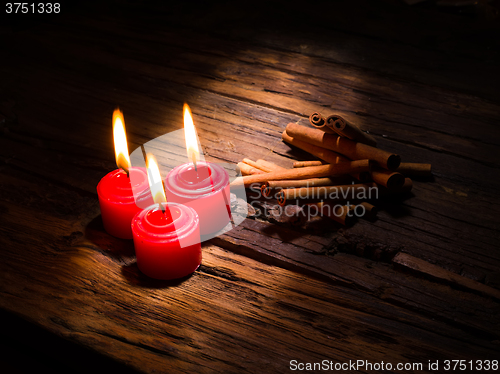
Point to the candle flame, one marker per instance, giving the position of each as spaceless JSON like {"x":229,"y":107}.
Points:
{"x":190,"y":135}
{"x":120,"y":139}
{"x":154,"y":178}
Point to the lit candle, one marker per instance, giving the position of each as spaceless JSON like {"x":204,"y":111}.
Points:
{"x":116,"y":189}
{"x":201,"y":185}
{"x":166,"y":236}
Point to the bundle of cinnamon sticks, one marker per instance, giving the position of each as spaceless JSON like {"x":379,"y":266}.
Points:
{"x":350,"y":169}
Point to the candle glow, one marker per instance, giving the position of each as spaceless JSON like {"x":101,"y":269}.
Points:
{"x":191,"y":137}
{"x":120,"y":140}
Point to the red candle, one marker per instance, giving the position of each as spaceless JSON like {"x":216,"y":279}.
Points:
{"x":166,"y":236}
{"x":116,"y":190}
{"x":116,"y":199}
{"x":205,"y":189}
{"x":167,"y":244}
{"x":201,"y":185}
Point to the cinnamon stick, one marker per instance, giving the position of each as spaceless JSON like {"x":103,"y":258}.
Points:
{"x":325,"y":154}
{"x":342,"y":214}
{"x":303,"y":164}
{"x":349,"y":130}
{"x":370,"y":210}
{"x":318,"y":121}
{"x":412,"y":169}
{"x":346,"y":147}
{"x":256,"y":165}
{"x":267,"y":187}
{"x":344,"y":192}
{"x":405,"y":188}
{"x":246,"y":169}
{"x":305,"y":173}
{"x":362,"y":177}
{"x":320,"y":152}
{"x":270,"y":165}
{"x":390,"y":179}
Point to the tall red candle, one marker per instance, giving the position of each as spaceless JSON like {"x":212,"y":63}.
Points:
{"x":167,"y":244}
{"x":205,"y":189}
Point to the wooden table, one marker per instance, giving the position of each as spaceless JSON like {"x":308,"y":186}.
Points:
{"x":420,"y":283}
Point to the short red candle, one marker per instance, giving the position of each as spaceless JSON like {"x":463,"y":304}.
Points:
{"x":206,"y":189}
{"x":116,"y":199}
{"x":167,"y":245}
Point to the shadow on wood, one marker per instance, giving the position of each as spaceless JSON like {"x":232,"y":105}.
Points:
{"x":122,"y":249}
{"x":134,"y":276}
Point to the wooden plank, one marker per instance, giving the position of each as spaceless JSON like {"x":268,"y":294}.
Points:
{"x":359,"y":90}
{"x":437,"y":273}
{"x":464,"y":168}
{"x":224,"y":317}
{"x":434,"y":54}
{"x":355,"y":272}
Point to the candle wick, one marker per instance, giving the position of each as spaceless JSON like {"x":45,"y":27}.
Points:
{"x":163,"y":209}
{"x":193,"y":158}
{"x":126,"y":171}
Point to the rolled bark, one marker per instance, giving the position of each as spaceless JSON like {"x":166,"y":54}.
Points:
{"x":267,"y":187}
{"x":246,"y":169}
{"x":303,"y":164}
{"x":349,"y":130}
{"x":405,"y":188}
{"x":351,"y":149}
{"x":389,"y":179}
{"x":256,"y":165}
{"x":305,"y":173}
{"x":320,"y":152}
{"x":270,"y":165}
{"x":412,"y":169}
{"x":339,"y":213}
{"x":323,"y":153}
{"x":318,"y":121}
{"x":344,"y":192}
{"x":362,"y":177}
{"x":370,"y":210}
